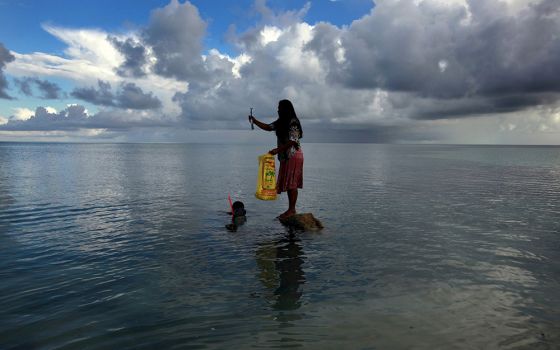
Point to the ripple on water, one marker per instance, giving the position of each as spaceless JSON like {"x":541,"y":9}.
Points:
{"x":426,"y":247}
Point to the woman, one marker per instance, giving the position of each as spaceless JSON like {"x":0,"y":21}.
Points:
{"x":288,"y":132}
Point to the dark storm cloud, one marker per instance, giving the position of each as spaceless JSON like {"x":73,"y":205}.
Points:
{"x":101,"y":96}
{"x":175,"y":34}
{"x":421,"y":108}
{"x":24,"y":86}
{"x":68,"y":119}
{"x":128,"y":96}
{"x":135,"y":57}
{"x":75,"y":117}
{"x":369,"y":134}
{"x":442,"y":52}
{"x":518,"y":54}
{"x":5,"y":57}
{"x":131,"y":96}
{"x":47,"y":89}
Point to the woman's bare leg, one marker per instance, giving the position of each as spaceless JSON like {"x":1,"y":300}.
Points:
{"x":292,"y":200}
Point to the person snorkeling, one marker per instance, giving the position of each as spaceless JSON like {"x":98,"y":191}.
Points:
{"x":290,"y":155}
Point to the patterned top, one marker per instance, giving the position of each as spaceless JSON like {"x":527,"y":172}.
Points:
{"x":294,"y":134}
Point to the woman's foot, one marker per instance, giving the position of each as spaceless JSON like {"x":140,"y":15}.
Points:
{"x":286,"y":214}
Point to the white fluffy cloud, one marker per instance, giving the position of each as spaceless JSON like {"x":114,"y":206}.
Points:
{"x":89,"y":56}
{"x":22,"y":114}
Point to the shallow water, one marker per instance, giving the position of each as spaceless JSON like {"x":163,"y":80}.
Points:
{"x":122,"y":246}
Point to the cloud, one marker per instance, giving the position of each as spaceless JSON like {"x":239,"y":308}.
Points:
{"x":210,"y":103}
{"x":407,"y":70}
{"x":128,"y":96}
{"x":76,"y":117}
{"x":89,"y":45}
{"x":171,"y":45}
{"x":448,"y":51}
{"x":282,"y":18}
{"x":277,"y":64}
{"x":103,"y":96}
{"x":404,"y":63}
{"x":131,"y":96}
{"x":175,"y":34}
{"x":44,"y":120}
{"x":22,"y":114}
{"x":135,"y":54}
{"x":89,"y":56}
{"x":24,"y":86}
{"x":5,"y":57}
{"x":47,"y":89}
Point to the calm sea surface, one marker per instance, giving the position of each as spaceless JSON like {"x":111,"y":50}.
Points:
{"x":123,"y":246}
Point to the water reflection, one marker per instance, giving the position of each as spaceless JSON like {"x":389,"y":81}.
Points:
{"x":280,"y":271}
{"x":126,"y":249}
{"x":6,"y":198}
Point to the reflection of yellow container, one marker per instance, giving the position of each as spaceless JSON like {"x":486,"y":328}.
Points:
{"x":266,"y":181}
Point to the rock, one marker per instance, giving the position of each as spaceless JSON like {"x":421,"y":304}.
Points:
{"x":306,"y":222}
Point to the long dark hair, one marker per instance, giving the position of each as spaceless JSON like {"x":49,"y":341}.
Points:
{"x":286,"y":113}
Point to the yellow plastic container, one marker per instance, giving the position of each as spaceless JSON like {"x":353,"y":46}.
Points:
{"x":266,"y":181}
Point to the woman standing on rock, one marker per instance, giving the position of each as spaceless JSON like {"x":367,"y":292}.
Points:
{"x":288,"y":132}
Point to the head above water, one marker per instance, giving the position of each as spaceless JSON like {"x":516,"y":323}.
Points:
{"x":238,"y":209}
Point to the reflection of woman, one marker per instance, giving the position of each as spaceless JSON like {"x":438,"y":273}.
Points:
{"x":280,"y":264}
{"x":288,"y":132}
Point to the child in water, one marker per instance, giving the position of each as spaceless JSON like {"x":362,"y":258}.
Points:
{"x":238,"y":217}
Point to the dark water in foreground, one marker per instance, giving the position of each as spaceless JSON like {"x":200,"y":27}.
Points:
{"x":425,"y":247}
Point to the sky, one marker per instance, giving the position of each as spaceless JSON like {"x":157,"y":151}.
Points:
{"x":386,"y":71}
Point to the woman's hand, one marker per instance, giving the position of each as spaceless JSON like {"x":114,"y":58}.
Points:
{"x":260,"y":124}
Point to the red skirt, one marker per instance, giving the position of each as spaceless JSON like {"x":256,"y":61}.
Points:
{"x":290,"y":175}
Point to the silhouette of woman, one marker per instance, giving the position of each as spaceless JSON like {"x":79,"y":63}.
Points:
{"x":288,"y":133}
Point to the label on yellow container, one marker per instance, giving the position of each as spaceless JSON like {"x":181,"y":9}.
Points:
{"x":266,"y":180}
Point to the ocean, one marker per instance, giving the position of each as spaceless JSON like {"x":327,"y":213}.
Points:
{"x":124,"y":246}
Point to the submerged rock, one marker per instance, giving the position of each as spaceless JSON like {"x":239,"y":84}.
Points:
{"x":305,"y":221}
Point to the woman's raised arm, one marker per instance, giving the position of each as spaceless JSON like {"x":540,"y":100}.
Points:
{"x":260,"y":124}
